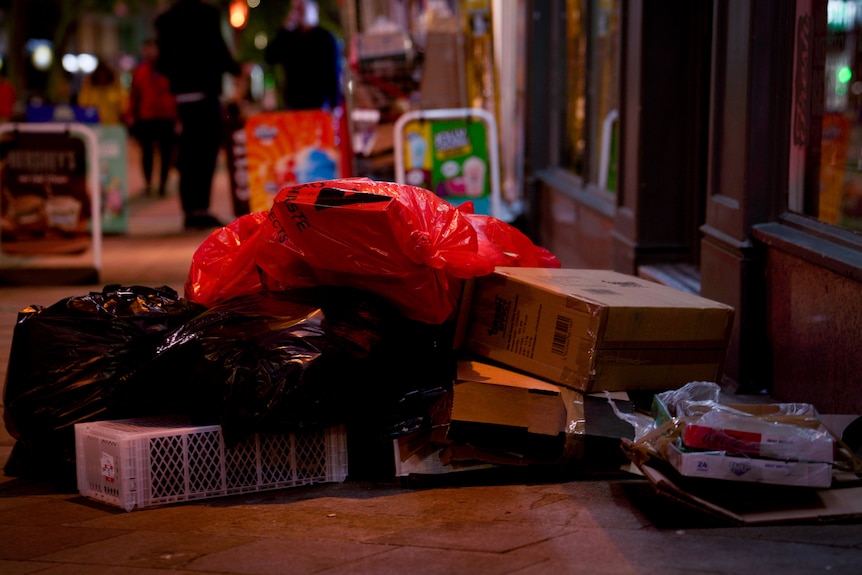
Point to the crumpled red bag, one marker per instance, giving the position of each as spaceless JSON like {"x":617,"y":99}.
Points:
{"x":401,"y":242}
{"x":224,"y":265}
{"x":505,"y":245}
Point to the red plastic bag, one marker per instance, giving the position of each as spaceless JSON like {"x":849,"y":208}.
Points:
{"x":401,"y":242}
{"x":224,"y":266}
{"x":505,"y":245}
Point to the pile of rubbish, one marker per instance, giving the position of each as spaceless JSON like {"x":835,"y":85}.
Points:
{"x":442,"y":340}
{"x":331,"y":308}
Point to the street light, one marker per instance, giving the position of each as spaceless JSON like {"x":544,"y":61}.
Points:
{"x":238,"y":13}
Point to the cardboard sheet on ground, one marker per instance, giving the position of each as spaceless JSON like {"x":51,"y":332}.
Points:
{"x":760,"y":504}
{"x":755,"y":504}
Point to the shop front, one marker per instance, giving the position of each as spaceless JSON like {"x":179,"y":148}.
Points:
{"x":736,"y":169}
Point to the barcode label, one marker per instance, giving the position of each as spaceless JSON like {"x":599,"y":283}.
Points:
{"x":562,"y":328}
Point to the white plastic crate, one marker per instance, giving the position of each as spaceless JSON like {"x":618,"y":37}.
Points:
{"x":138,"y":463}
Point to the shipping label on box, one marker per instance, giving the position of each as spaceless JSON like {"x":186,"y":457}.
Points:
{"x":597,"y":329}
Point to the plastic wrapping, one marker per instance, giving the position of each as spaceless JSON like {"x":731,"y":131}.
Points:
{"x":504,"y":245}
{"x":409,"y":247}
{"x":692,"y":418}
{"x":401,"y":242}
{"x":224,"y":266}
{"x":71,"y":362}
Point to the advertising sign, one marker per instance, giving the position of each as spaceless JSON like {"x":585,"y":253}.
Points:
{"x":287,"y":148}
{"x":113,"y":186}
{"x":450,"y":158}
{"x":45,"y":204}
{"x":112,"y":168}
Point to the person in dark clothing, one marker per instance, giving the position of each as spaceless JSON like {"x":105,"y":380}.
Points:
{"x":307,"y":56}
{"x":194,"y":57}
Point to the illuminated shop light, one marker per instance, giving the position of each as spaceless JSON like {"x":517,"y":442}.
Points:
{"x":42,"y":57}
{"x":87,"y":63}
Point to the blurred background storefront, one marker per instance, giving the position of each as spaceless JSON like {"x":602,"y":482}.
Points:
{"x":713,"y":146}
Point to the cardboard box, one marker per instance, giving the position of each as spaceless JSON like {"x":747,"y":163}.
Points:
{"x":491,"y":407}
{"x":597,"y":329}
{"x":719,"y":465}
{"x":494,"y":416}
{"x":427,"y":460}
{"x":770,"y":441}
{"x":443,"y":82}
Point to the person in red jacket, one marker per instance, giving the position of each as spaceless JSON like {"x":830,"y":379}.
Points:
{"x":152,"y":116}
{"x":7,"y":97}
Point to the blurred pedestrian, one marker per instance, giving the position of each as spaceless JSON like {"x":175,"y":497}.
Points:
{"x":101,"y":89}
{"x":307,"y":57}
{"x":194,"y":56}
{"x":152,"y":117}
{"x":8,"y":97}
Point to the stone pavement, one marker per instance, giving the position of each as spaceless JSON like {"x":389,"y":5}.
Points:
{"x":520,"y":523}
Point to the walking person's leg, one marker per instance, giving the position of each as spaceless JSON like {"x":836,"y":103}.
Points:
{"x":146,"y":140}
{"x":165,"y":143}
{"x":200,"y":142}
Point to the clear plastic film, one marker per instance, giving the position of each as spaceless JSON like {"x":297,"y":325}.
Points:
{"x":693,"y":418}
{"x":576,"y":425}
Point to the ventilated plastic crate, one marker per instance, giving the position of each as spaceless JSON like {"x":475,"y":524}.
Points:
{"x":138,"y":463}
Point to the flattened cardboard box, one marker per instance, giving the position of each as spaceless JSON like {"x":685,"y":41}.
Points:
{"x":597,"y":329}
{"x":495,"y":416}
{"x":494,"y":408}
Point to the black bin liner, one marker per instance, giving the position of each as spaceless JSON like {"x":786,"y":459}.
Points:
{"x":70,"y":363}
{"x":284,"y":361}
{"x":265,"y":362}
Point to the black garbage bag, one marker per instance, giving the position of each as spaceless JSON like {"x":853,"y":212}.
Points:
{"x":284,"y":361}
{"x":69,"y":363}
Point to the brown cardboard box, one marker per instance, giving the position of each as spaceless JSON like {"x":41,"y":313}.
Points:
{"x":597,"y":329}
{"x":496,"y":416}
{"x":494,"y":408}
{"x":488,"y":394}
